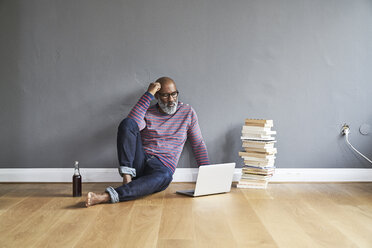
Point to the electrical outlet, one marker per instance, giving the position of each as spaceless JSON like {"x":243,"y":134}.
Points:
{"x":345,"y":129}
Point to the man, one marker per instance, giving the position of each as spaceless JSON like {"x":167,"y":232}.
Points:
{"x":150,"y":141}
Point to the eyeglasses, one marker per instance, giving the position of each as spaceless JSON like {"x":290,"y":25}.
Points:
{"x":166,"y":95}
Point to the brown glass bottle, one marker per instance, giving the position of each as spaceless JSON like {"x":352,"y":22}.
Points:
{"x":76,"y":181}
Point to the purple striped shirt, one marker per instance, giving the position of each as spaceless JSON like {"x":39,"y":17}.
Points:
{"x":165,"y":135}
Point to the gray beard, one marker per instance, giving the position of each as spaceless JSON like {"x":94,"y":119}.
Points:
{"x":167,"y":109}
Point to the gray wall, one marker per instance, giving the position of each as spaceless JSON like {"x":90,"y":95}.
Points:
{"x":71,"y":70}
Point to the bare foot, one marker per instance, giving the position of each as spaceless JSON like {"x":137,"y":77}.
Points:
{"x":127,"y":178}
{"x":93,"y":198}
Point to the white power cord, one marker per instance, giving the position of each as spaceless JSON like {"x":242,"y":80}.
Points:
{"x":345,"y":131}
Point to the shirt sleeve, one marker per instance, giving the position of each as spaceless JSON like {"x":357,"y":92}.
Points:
{"x":197,"y":142}
{"x":139,"y":110}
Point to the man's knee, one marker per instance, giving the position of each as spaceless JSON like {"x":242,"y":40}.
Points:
{"x":129,"y":124}
{"x":166,"y":179}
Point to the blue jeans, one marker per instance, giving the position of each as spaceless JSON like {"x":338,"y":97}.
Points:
{"x":148,"y":172}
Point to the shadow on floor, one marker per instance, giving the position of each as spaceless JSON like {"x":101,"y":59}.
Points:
{"x":77,"y":205}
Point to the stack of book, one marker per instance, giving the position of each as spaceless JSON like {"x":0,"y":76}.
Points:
{"x":258,"y":154}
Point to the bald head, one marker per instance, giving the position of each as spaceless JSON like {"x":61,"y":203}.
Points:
{"x":165,"y":81}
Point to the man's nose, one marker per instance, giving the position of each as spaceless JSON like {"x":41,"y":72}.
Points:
{"x":170,"y":101}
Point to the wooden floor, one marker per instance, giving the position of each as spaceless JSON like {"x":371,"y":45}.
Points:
{"x":284,"y":215}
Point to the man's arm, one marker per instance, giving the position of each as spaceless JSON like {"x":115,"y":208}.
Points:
{"x":197,"y":142}
{"x":138,"y":114}
{"x":139,"y":110}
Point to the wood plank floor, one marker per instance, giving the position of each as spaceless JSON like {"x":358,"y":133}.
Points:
{"x":284,"y":215}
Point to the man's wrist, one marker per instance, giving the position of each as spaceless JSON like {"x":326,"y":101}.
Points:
{"x":151,"y":93}
{"x":152,"y":96}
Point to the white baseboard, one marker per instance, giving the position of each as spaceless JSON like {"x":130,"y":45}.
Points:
{"x":184,"y":175}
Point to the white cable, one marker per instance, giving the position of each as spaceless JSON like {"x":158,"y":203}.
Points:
{"x":347,"y":140}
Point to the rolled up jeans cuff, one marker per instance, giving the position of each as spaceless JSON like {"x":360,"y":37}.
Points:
{"x":113,"y":194}
{"x":127,"y":170}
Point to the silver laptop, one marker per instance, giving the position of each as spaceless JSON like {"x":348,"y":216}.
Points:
{"x":212,"y":179}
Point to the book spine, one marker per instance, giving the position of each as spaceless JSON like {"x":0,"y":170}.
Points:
{"x":267,"y":160}
{"x":258,"y":146}
{"x":260,"y":151}
{"x":259,"y":121}
{"x":262,"y":138}
{"x":258,"y":132}
{"x":255,"y":128}
{"x":255,"y":155}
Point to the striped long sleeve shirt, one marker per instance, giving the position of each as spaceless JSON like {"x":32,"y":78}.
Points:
{"x":164,"y":135}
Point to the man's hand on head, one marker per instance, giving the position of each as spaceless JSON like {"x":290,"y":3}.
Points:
{"x":153,"y":88}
